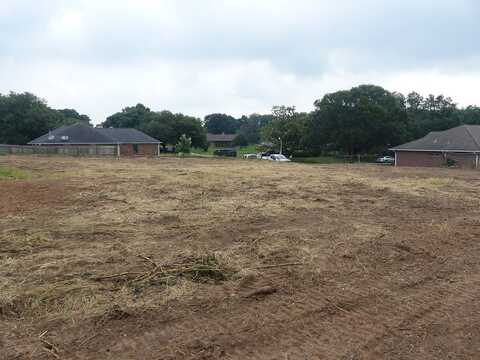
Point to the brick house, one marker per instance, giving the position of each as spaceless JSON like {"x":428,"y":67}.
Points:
{"x":129,"y":142}
{"x":459,"y":147}
{"x":221,"y":141}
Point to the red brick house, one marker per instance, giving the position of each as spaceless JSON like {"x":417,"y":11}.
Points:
{"x":221,"y":141}
{"x":129,"y":142}
{"x":458,"y":147}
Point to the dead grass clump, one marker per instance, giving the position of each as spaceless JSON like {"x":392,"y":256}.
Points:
{"x":411,"y":185}
{"x":58,"y":300}
{"x":15,"y":243}
{"x":183,"y":288}
{"x":8,"y":308}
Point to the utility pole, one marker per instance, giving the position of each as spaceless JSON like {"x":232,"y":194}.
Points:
{"x":281,"y":145}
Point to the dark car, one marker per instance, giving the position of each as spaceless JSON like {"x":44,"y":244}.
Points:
{"x":225,"y":152}
{"x":168,"y":149}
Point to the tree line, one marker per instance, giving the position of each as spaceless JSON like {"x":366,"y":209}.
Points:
{"x":24,"y":117}
{"x":169,"y":127}
{"x":363,"y":120}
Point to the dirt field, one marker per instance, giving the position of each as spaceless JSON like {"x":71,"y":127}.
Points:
{"x":228,"y":259}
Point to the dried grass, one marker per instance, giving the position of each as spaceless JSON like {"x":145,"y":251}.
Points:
{"x":232,"y":216}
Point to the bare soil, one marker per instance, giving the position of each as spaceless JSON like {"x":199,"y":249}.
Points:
{"x":175,"y":258}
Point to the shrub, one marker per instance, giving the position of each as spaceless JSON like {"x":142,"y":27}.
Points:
{"x":184,"y":145}
{"x":240,"y":140}
{"x":451,"y":163}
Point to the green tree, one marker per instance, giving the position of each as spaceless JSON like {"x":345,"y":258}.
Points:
{"x":129,"y":117}
{"x":164,"y":125}
{"x":364,"y":119}
{"x":221,"y":123}
{"x":193,"y":128}
{"x":161,"y":126}
{"x":24,"y":117}
{"x":287,"y":130}
{"x":414,"y":101}
{"x":240,"y":140}
{"x":471,"y":115}
{"x":71,"y":116}
{"x":433,"y":113}
{"x":250,"y":128}
{"x":184,"y":145}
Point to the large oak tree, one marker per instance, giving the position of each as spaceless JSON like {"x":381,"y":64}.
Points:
{"x":364,"y":119}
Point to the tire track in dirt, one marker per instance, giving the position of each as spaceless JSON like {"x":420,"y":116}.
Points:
{"x":321,"y":321}
{"x":319,"y":330}
{"x":442,"y":309}
{"x":308,"y":326}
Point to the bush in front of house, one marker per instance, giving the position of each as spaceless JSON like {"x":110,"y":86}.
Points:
{"x":451,"y":163}
{"x":184,"y":145}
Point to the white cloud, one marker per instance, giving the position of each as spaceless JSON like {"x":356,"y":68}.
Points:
{"x":233,"y":56}
{"x":462,"y":88}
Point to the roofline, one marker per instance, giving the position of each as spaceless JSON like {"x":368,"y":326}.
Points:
{"x":471,"y":135}
{"x":440,"y":151}
{"x":112,"y":128}
{"x":108,"y":140}
{"x":233,"y":137}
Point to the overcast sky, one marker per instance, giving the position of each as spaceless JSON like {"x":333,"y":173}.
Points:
{"x":236,"y":57}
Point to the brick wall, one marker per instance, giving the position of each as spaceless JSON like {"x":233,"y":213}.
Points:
{"x":222,"y":144}
{"x":435,"y":159}
{"x":463,"y":160}
{"x":142,"y":150}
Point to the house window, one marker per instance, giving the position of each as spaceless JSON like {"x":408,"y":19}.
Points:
{"x":135,"y":148}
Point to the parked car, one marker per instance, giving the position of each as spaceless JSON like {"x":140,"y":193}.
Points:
{"x":390,"y":160}
{"x":225,"y":152}
{"x":276,"y":157}
{"x":168,"y":149}
{"x":265,"y":154}
{"x":250,"y":156}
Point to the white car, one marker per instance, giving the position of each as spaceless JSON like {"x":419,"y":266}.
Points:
{"x":276,"y":157}
{"x":386,"y":160}
{"x":250,"y":156}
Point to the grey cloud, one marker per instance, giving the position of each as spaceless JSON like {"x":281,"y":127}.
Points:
{"x":379,"y":34}
{"x":208,"y":41}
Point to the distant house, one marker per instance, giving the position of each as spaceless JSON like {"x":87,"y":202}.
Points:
{"x":459,"y":147}
{"x":128,"y":141}
{"x":220,"y":141}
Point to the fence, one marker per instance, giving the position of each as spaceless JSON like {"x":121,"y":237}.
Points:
{"x":88,"y":150}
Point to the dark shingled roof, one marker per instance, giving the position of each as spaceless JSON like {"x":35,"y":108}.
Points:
{"x":465,"y":138}
{"x":220,"y":137}
{"x":123,"y":135}
{"x":84,"y":134}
